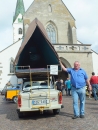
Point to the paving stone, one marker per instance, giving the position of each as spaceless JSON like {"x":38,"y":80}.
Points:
{"x":9,"y":119}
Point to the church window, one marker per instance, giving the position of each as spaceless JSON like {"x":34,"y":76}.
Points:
{"x":51,"y":33}
{"x":49,"y":8}
{"x":20,"y":31}
{"x":12,"y":69}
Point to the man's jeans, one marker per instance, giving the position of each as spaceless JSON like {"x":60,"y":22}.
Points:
{"x":78,"y":93}
{"x":95,"y":89}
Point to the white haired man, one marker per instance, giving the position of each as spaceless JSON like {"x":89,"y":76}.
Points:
{"x":79,"y":79}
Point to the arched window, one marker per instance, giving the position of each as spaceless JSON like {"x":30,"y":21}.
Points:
{"x":20,"y":31}
{"x":12,"y":69}
{"x":51,"y":33}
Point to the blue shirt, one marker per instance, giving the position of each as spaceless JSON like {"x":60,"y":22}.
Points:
{"x":78,"y":77}
{"x":68,"y":84}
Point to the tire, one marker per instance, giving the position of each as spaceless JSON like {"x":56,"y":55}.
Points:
{"x":56,"y":111}
{"x":20,"y":114}
{"x":15,"y":99}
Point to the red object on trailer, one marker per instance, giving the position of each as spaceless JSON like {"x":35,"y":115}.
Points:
{"x":60,"y":97}
{"x":19,"y":100}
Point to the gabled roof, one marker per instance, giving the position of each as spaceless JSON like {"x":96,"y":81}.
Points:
{"x":33,"y":35}
{"x":19,"y":9}
{"x":94,"y":51}
{"x":36,"y":52}
{"x":67,"y":9}
{"x":61,"y":1}
{"x":11,"y":45}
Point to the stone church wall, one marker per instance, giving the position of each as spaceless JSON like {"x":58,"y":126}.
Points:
{"x":95,"y":62}
{"x":55,"y":12}
{"x":85,"y":60}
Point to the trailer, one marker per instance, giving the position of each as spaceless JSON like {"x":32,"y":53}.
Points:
{"x":33,"y":64}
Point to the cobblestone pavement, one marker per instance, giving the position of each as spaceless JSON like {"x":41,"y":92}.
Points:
{"x":34,"y":121}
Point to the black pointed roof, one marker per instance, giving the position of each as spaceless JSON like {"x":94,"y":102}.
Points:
{"x":32,"y":27}
{"x":36,"y":49}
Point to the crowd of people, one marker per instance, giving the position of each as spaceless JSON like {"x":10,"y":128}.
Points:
{"x":64,"y":86}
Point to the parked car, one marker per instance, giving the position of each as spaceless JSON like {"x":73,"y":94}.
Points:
{"x":12,"y":93}
{"x":38,"y":97}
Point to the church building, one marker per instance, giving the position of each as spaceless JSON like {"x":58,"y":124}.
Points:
{"x":60,"y":26}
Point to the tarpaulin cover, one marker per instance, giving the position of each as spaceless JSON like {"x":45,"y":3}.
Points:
{"x":36,"y":50}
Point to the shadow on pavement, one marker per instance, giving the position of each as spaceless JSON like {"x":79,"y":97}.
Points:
{"x":90,"y":103}
{"x":9,"y":109}
{"x":65,"y":114}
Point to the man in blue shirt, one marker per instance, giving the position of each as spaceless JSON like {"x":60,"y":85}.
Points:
{"x":79,"y":79}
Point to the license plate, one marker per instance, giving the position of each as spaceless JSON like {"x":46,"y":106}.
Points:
{"x":40,"y":102}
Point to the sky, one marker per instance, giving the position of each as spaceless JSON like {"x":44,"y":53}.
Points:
{"x":85,"y":13}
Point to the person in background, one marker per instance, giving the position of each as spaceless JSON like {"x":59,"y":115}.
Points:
{"x":94,"y":84}
{"x":9,"y":83}
{"x":97,"y":79}
{"x":62,"y":86}
{"x":79,"y":79}
{"x":58,"y":85}
{"x":68,"y":87}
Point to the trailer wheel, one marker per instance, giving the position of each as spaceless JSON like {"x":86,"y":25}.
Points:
{"x":56,"y":111}
{"x":15,"y":99}
{"x":20,"y":114}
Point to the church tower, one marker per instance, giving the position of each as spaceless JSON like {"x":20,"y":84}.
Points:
{"x":18,"y":21}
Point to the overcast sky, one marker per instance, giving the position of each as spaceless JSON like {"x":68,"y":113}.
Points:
{"x":85,"y":13}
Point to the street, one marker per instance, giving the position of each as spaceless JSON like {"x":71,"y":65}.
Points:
{"x":35,"y":121}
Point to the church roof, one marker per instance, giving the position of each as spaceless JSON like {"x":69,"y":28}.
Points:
{"x":68,"y":10}
{"x":19,"y":9}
